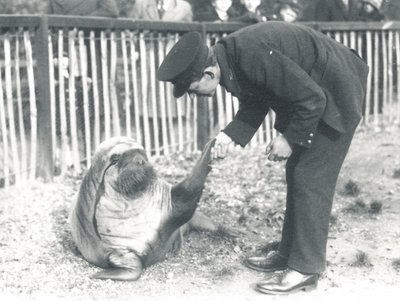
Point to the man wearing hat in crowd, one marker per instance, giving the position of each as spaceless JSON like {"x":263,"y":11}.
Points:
{"x":316,"y":87}
{"x":288,"y":10}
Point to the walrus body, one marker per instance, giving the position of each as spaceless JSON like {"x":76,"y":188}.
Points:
{"x":126,"y":218}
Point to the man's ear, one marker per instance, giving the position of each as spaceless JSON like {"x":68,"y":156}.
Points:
{"x":211,"y":71}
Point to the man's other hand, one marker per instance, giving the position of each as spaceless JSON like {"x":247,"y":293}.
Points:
{"x":221,"y":146}
{"x":278,"y":149}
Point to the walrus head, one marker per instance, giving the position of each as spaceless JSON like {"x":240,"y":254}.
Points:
{"x":126,"y":167}
{"x":135,"y":173}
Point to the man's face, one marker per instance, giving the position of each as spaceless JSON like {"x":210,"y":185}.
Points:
{"x":251,"y":5}
{"x":288,"y":14}
{"x":207,"y":85}
{"x":222,"y":5}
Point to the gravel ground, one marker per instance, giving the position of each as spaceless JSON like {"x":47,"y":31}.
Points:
{"x":38,"y":259}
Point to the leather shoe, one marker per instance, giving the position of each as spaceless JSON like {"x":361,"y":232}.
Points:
{"x":270,"y":263}
{"x":288,"y":281}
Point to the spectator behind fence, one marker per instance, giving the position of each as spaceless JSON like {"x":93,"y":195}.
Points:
{"x":98,"y":8}
{"x":95,"y":8}
{"x":391,"y":9}
{"x":125,"y":7}
{"x":249,"y":12}
{"x":162,"y":10}
{"x":156,"y":10}
{"x":333,"y":10}
{"x":370,"y":10}
{"x":288,"y":10}
{"x":268,"y":6}
{"x":215,"y":11}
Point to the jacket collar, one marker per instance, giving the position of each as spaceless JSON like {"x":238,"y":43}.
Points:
{"x":228,"y":77}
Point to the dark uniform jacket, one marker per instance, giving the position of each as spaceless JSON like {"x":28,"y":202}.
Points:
{"x":302,"y":74}
{"x":207,"y":13}
{"x":391,"y":9}
{"x":98,"y":8}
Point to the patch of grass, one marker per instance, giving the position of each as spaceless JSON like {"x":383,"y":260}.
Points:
{"x":358,"y":207}
{"x":361,"y":260}
{"x":396,"y":173}
{"x":351,"y":188}
{"x":274,"y":218}
{"x":242,"y":219}
{"x":375,"y":207}
{"x":62,"y":230}
{"x":396,"y":264}
{"x":224,"y":272}
{"x":333,"y":220}
{"x":254,"y":210}
{"x":223,"y":233}
{"x":207,"y":262}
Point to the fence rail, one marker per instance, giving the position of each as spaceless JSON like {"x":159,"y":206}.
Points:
{"x":67,"y":83}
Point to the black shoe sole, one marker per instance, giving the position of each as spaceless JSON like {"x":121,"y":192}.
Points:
{"x":305,"y":288}
{"x":259,"y":269}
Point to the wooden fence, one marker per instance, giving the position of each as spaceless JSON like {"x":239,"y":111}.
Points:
{"x":67,"y":83}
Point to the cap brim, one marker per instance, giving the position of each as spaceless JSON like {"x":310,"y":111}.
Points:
{"x":180,"y":89}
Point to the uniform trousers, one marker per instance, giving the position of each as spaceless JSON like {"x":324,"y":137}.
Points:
{"x":311,"y":176}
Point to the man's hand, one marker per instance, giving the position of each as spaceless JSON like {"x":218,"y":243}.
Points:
{"x":222,"y":143}
{"x":279,"y":149}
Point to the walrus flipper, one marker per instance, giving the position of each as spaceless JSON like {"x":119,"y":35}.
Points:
{"x":186,"y":194}
{"x":121,"y":274}
{"x":82,"y":222}
{"x":200,"y":171}
{"x":202,"y":222}
{"x":194,"y":182}
{"x":127,"y":267}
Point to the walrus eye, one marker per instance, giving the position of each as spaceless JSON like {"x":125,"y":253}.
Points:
{"x":115,"y":158}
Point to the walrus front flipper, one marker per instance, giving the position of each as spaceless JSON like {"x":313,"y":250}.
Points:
{"x":186,"y":194}
{"x":202,"y":168}
{"x":121,"y":274}
{"x":202,"y":222}
{"x":128,"y":267}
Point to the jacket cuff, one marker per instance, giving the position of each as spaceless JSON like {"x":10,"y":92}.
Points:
{"x":240,"y":132}
{"x":301,"y":138}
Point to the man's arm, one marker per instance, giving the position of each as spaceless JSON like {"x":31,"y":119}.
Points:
{"x":247,"y":120}
{"x":289,"y":83}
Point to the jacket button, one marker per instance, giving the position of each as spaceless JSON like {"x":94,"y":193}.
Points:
{"x":309,"y":141}
{"x":311,"y":134}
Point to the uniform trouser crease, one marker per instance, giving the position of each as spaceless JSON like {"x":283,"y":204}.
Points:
{"x":311,"y":176}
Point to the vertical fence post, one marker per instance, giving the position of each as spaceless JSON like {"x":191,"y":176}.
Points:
{"x":45,"y":164}
{"x":202,"y":115}
{"x":202,"y":126}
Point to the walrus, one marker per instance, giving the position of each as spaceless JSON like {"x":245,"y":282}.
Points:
{"x":126,"y":218}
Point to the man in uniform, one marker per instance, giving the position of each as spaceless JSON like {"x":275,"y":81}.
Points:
{"x":316,"y":87}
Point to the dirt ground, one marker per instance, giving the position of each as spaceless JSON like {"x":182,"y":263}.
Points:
{"x":244,"y":191}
